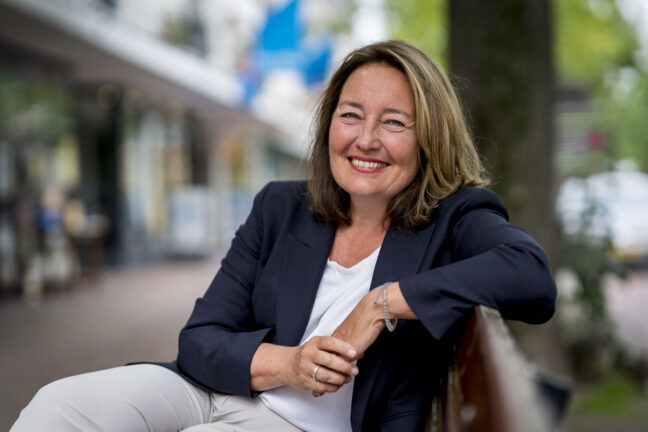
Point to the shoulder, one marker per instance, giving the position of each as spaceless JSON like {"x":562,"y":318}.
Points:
{"x":283,"y":194}
{"x":286,"y":189}
{"x":468,"y":198}
{"x":281,"y":200}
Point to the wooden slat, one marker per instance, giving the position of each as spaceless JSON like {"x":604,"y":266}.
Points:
{"x":491,"y":387}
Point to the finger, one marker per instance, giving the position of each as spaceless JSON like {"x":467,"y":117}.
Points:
{"x":335,"y":363}
{"x":338,"y":346}
{"x":320,"y":387}
{"x":328,"y":376}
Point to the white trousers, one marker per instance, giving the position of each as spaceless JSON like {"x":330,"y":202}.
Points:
{"x":145,"y":398}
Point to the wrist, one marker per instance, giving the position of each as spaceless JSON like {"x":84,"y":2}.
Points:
{"x":268,"y":369}
{"x":374,"y":309}
{"x":382,"y":301}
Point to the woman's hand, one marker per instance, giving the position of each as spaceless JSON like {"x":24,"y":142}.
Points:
{"x":363,"y":325}
{"x":334,"y":358}
{"x":274,"y":365}
{"x":365,"y":322}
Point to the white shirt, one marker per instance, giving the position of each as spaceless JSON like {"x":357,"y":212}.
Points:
{"x":339,"y":292}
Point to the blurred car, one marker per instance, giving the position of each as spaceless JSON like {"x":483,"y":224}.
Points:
{"x":609,"y":206}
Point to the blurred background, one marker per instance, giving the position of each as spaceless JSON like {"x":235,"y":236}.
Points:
{"x":135,"y":133}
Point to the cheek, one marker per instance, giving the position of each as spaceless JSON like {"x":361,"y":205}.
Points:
{"x":405,"y":154}
{"x":411,"y":161}
{"x":340,"y":137}
{"x":335,"y":154}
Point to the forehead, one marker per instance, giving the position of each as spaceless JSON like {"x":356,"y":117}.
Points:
{"x":378,"y":83}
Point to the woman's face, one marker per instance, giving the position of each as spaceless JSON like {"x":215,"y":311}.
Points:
{"x":372,"y":138}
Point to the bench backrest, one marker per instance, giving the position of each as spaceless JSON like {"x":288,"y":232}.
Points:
{"x":491,"y":387}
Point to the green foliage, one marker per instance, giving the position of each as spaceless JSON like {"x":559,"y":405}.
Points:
{"x":594,"y":47}
{"x":592,"y":39}
{"x":589,"y":333}
{"x":175,"y":30}
{"x":625,"y":120}
{"x":421,"y":22}
{"x":591,"y":36}
{"x":33,"y":108}
{"x":617,"y":396}
{"x":178,"y":30}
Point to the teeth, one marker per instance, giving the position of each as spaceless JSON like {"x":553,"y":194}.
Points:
{"x":366,"y":164}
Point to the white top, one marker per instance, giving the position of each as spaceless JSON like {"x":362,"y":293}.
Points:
{"x":339,"y":292}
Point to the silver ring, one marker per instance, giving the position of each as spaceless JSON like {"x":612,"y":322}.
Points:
{"x":315,"y":373}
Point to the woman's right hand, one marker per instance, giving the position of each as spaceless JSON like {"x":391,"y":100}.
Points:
{"x":276,"y":365}
{"x":334,"y":358}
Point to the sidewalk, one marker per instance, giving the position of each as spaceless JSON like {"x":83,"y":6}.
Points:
{"x":126,"y":315}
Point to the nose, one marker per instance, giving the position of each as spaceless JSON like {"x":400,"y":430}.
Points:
{"x":368,"y":138}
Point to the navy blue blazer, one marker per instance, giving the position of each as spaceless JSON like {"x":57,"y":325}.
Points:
{"x":264,"y":291}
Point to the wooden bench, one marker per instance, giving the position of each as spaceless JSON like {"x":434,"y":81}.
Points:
{"x":491,"y":387}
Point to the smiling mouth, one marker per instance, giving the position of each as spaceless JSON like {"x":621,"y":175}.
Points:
{"x":367,"y":164}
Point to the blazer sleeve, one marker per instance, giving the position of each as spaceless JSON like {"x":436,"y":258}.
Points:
{"x":493,"y":263}
{"x":218,"y":342}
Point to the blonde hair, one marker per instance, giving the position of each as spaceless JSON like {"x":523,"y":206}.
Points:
{"x":447,"y":156}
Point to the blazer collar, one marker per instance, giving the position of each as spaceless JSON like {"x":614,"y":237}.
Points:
{"x":308,"y":246}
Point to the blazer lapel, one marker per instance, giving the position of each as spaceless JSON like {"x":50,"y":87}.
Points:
{"x":401,"y":255}
{"x":308,"y":246}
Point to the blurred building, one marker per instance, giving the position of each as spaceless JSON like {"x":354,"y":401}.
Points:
{"x":581,"y":144}
{"x":127,"y":133}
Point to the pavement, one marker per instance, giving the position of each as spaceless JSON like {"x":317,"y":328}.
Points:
{"x":122,"y":316}
{"x":135,"y":314}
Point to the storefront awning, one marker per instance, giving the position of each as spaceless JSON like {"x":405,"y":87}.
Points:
{"x":99,"y":48}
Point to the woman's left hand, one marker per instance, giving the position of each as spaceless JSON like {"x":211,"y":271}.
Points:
{"x":365,"y":322}
{"x":363,"y":325}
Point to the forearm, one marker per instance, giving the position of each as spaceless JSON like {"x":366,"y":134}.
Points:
{"x":268,"y":367}
{"x":396,"y":304}
{"x":444,"y":295}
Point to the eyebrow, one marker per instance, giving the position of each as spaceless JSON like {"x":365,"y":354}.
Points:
{"x":385,"y":110}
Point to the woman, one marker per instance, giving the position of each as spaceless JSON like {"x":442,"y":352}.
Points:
{"x":392,"y":230}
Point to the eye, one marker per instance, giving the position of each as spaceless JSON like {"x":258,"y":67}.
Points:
{"x":395,"y":123}
{"x":350,"y":115}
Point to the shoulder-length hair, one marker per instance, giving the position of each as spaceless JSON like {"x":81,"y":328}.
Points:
{"x":447,"y":158}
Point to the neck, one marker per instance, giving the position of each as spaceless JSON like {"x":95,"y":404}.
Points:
{"x":368,"y":214}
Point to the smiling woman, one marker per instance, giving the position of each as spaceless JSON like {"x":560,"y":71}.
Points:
{"x":410,"y":97}
{"x":392,"y":231}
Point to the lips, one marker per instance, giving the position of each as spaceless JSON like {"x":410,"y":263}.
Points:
{"x":367,"y":164}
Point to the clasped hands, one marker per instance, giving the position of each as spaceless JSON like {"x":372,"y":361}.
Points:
{"x":335,"y":355}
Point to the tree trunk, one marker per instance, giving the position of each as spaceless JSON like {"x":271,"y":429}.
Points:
{"x":501,"y":62}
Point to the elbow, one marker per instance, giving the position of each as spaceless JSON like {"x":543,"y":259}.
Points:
{"x":547,"y":300}
{"x":188,"y":353}
{"x":542,"y":296}
{"x":537,"y":306}
{"x":543,"y":309}
{"x":537,"y":303}
{"x":182,"y":350}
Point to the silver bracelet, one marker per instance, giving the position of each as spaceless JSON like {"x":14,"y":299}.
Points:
{"x":389,"y":322}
